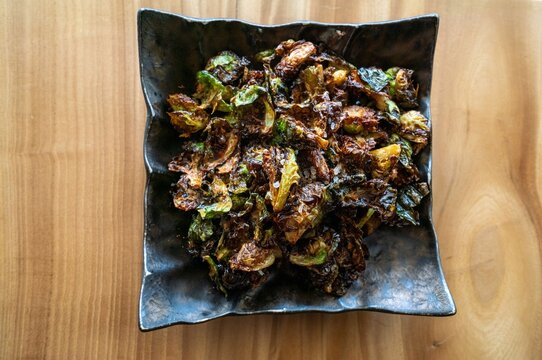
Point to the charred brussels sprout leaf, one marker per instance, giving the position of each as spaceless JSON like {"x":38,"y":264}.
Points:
{"x":278,"y":90}
{"x":290,"y":131}
{"x":296,"y":55}
{"x":313,"y":80}
{"x":187,"y":122}
{"x":249,"y":95}
{"x":406,"y":149}
{"x":360,"y":118}
{"x":221,"y":143}
{"x":407,"y":199}
{"x":182,"y":102}
{"x":374,"y":77}
{"x":265,"y":56}
{"x":289,"y":177}
{"x":214,"y":274}
{"x":200,"y":230}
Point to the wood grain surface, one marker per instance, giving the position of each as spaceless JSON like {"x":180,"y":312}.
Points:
{"x":72,"y":180}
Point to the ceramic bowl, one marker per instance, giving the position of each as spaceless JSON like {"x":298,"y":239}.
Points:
{"x":404,"y":273}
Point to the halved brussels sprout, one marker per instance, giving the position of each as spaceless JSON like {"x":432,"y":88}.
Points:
{"x":265,"y":56}
{"x":181,"y":101}
{"x":402,"y":87}
{"x":306,"y":212}
{"x":221,"y":204}
{"x":312,"y":78}
{"x":289,"y":131}
{"x":359,"y":118}
{"x":226,"y":66}
{"x":384,"y":159}
{"x":414,"y":127}
{"x":222,"y":141}
{"x":299,"y":52}
{"x":245,"y":100}
{"x":212,"y":93}
{"x":251,"y":257}
{"x":187,"y":118}
{"x":317,"y":251}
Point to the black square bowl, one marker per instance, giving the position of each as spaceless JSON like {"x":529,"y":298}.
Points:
{"x":403,"y":274}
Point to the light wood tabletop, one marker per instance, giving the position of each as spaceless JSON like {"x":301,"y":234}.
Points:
{"x":72,"y":180}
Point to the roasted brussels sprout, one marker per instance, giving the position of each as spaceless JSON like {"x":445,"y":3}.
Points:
{"x":402,"y":89}
{"x":227,"y":67}
{"x":288,"y":165}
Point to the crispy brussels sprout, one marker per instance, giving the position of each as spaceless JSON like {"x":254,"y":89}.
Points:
{"x":226,"y":66}
{"x":298,"y":53}
{"x":182,"y":102}
{"x":375,"y":194}
{"x":288,"y":165}
{"x":187,"y":118}
{"x":290,"y":131}
{"x":406,"y":171}
{"x":402,"y":87}
{"x":316,"y":251}
{"x":251,"y":257}
{"x":359,"y":118}
{"x":407,"y":199}
{"x":222,"y":141}
{"x":221,"y":201}
{"x":313,"y":80}
{"x":277,"y":89}
{"x":212,"y":93}
{"x":384,"y":159}
{"x":185,"y":197}
{"x":200,"y":230}
{"x":265,"y":56}
{"x":244,"y":102}
{"x":214,"y":274}
{"x":188,"y":123}
{"x":189,"y":164}
{"x":414,"y":127}
{"x":305,"y":212}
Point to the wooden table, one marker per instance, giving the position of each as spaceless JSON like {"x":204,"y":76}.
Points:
{"x":72,"y":176}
